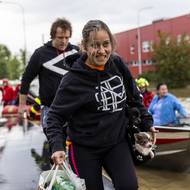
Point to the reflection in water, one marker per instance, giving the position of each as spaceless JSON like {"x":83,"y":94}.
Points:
{"x":18,"y":169}
{"x":3,"y":136}
{"x":43,"y":160}
{"x":186,"y":103}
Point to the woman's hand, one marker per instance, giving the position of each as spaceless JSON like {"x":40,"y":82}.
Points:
{"x":153,"y":131}
{"x":58,"y":157}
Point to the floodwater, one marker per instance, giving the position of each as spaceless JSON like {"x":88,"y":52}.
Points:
{"x":152,"y":179}
{"x":24,"y":154}
{"x":186,"y":103}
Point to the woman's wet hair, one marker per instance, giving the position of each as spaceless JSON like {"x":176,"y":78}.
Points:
{"x":63,"y":23}
{"x":95,"y":26}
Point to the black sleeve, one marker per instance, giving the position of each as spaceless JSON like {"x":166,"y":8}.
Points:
{"x":31,"y":71}
{"x":66,"y":102}
{"x":134,"y":99}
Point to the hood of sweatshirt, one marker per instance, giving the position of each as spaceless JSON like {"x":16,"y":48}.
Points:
{"x":77,"y":61}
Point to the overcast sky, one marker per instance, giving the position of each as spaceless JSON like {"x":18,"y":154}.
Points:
{"x":120,"y":15}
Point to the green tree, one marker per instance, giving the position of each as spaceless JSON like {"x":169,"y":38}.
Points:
{"x":172,"y":60}
{"x":4,"y":59}
{"x":14,"y":68}
{"x":11,"y":66}
{"x":23,"y":57}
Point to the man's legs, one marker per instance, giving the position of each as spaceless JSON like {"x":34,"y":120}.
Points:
{"x":44,"y":112}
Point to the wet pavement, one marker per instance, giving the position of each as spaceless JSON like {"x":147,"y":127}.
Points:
{"x":21,"y":157}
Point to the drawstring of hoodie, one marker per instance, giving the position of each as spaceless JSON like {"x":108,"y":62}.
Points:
{"x":99,"y":81}
{"x":99,"y":88}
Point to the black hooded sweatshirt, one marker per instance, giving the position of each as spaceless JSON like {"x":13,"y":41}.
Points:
{"x":93,"y":103}
{"x":47,"y":63}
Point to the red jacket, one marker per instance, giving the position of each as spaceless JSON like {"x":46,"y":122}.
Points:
{"x":147,"y":98}
{"x":7,"y":93}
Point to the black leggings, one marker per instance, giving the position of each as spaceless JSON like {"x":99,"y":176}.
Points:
{"x":87,"y":163}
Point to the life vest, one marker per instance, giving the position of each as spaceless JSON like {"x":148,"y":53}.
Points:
{"x":10,"y":111}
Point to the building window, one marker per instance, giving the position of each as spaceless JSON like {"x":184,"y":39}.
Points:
{"x":132,"y":49}
{"x":151,"y":45}
{"x":168,"y":39}
{"x":146,"y":46}
{"x":187,"y":38}
{"x":147,"y":62}
{"x":134,"y":63}
{"x":153,"y":62}
{"x":179,"y":38}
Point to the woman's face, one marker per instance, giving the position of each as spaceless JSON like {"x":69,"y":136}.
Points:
{"x":98,"y":48}
{"x":163,"y":90}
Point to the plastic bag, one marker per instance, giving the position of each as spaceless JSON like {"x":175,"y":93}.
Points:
{"x":62,"y":184}
{"x":63,"y":178}
{"x":47,"y":178}
{"x":78,"y":182}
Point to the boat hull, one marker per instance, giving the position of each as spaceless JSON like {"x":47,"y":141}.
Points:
{"x":173,"y":149}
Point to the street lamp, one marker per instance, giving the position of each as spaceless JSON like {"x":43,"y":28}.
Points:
{"x":23,"y":22}
{"x":139,"y":37}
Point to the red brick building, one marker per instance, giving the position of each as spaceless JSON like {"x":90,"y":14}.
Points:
{"x":127,"y":41}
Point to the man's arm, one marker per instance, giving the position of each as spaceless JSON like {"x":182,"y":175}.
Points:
{"x":31,"y":71}
{"x":22,"y":104}
{"x":22,"y":99}
{"x":178,"y":106}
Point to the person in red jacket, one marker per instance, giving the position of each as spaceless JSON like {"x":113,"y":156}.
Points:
{"x":143,"y":84}
{"x":7,"y":93}
{"x":16,"y":94}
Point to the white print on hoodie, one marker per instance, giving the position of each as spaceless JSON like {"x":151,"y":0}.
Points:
{"x":111,"y":96}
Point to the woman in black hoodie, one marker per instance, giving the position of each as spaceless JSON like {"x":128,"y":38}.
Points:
{"x":92,"y":98}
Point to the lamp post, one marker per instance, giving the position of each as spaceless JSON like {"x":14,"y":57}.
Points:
{"x":23,"y":22}
{"x":139,"y":37}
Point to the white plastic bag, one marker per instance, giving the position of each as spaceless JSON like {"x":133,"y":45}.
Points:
{"x":49,"y":177}
{"x":76,"y":181}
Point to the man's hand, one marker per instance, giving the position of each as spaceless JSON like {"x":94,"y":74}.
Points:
{"x":22,"y":111}
{"x":58,"y":157}
{"x":154,"y":131}
{"x":22,"y":108}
